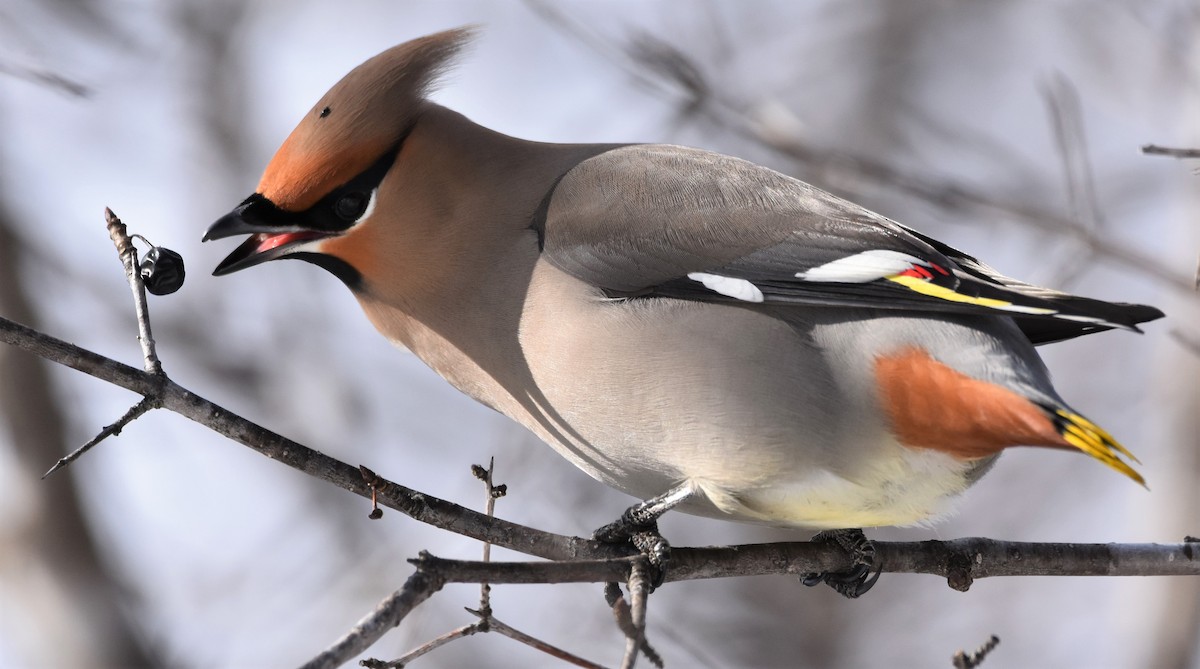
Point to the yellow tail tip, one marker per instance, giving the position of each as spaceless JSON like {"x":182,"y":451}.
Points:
{"x":1096,"y":442}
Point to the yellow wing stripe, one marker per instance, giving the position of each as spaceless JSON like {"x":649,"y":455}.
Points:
{"x":1096,"y":442}
{"x":925,"y":287}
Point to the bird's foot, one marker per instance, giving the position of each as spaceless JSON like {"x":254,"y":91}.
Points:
{"x":646,"y":538}
{"x":856,"y":581}
{"x":639,"y":526}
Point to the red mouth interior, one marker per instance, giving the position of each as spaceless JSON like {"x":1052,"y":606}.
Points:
{"x":267,"y":242}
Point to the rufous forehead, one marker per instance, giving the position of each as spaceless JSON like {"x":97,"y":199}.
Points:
{"x":302,"y":172}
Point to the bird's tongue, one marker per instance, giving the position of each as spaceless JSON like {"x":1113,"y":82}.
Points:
{"x":269,"y":242}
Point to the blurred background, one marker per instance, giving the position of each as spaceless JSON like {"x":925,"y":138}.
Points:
{"x":1009,"y":129}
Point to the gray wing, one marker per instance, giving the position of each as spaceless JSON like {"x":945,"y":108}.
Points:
{"x":669,"y":221}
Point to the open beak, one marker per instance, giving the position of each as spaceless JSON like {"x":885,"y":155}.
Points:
{"x":266,"y":242}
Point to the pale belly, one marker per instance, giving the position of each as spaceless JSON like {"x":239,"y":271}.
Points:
{"x":646,"y":395}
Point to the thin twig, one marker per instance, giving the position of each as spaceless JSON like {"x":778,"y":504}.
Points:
{"x":623,"y":615}
{"x":419,"y":587}
{"x":630,"y":656}
{"x":639,"y":594}
{"x":485,"y":607}
{"x":47,"y":78}
{"x":419,"y":506}
{"x":963,"y":660}
{"x":425,"y":648}
{"x":492,"y":493}
{"x":487,"y":621}
{"x":146,"y":404}
{"x":1156,"y":150}
{"x":125,"y":248}
{"x":495,"y":625}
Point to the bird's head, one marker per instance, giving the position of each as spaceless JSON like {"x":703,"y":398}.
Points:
{"x":328,"y":179}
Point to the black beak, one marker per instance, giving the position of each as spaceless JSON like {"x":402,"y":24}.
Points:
{"x":268,"y":241}
{"x":232,"y":224}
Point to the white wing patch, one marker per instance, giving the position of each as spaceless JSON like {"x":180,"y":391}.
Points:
{"x":739,"y":289}
{"x":862,"y":267}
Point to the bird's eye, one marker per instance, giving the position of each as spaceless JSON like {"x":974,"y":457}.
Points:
{"x":350,"y":207}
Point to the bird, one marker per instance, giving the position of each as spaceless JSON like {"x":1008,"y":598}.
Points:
{"x":693,"y":329}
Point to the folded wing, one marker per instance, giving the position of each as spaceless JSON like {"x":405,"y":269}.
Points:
{"x":656,"y":220}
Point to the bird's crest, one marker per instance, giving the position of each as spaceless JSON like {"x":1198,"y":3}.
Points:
{"x":364,"y":115}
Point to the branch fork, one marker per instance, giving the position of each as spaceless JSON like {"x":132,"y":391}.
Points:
{"x":119,"y":233}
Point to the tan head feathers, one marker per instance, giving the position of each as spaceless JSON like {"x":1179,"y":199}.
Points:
{"x":360,"y":118}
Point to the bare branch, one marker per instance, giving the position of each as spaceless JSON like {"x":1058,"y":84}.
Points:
{"x":424,"y":508}
{"x":1156,"y":150}
{"x":79,"y":359}
{"x":960,"y":561}
{"x":969,"y":558}
{"x":418,"y":588}
{"x":113,"y":430}
{"x":984,"y":557}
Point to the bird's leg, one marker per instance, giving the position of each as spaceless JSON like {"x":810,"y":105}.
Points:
{"x":639,"y":526}
{"x":856,"y":581}
{"x":643,"y":515}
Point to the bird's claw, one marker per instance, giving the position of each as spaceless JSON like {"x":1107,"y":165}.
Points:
{"x":646,"y":538}
{"x":856,"y":581}
{"x":657,"y":551}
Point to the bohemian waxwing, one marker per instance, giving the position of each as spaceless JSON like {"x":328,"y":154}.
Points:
{"x":679,"y":324}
